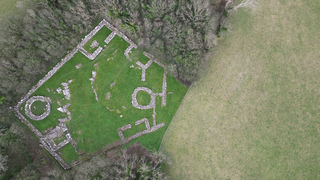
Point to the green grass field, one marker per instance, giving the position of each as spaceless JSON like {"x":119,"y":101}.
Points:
{"x":99,"y":37}
{"x":255,"y":113}
{"x":95,"y":123}
{"x":7,"y":6}
{"x":38,"y":108}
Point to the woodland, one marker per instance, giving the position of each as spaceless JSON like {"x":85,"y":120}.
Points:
{"x":180,"y":33}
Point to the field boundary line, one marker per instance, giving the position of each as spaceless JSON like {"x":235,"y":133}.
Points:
{"x":175,"y":115}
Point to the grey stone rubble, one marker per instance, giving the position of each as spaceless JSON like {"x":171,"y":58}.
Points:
{"x":69,"y":136}
{"x":58,"y":131}
{"x":123,"y":128}
{"x":110,"y":37}
{"x":66,"y":91}
{"x":78,"y":66}
{"x":59,"y":90}
{"x":108,"y":96}
{"x":123,"y":107}
{"x":126,"y":140}
{"x":48,"y":89}
{"x":65,"y":110}
{"x":163,"y":94}
{"x":86,"y":39}
{"x":94,"y":74}
{"x":48,"y":75}
{"x":59,"y":103}
{"x":43,"y":143}
{"x":153,"y":95}
{"x":96,"y":65}
{"x":144,"y":68}
{"x":151,"y":105}
{"x":164,"y":90}
{"x":46,"y":110}
{"x":93,"y":55}
{"x":74,"y":144}
{"x":135,"y":103}
{"x":19,"y":115}
{"x":47,"y":130}
{"x":63,"y":127}
{"x":60,"y":145}
{"x":148,"y":55}
{"x":65,"y":119}
{"x":79,"y":47}
{"x":119,"y":33}
{"x":107,"y":40}
{"x":154,"y":118}
{"x":109,"y":108}
{"x":128,"y":50}
{"x":144,"y":120}
{"x":55,"y":132}
{"x":94,"y":44}
{"x":112,"y":84}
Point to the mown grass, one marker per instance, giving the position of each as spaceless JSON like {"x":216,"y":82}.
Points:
{"x":38,"y":107}
{"x":143,"y":98}
{"x":255,"y":113}
{"x":93,"y":126}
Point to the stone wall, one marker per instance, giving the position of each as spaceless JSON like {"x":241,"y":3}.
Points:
{"x":114,"y":30}
{"x":40,"y":137}
{"x":29,"y":103}
{"x":47,"y":143}
{"x":126,"y":140}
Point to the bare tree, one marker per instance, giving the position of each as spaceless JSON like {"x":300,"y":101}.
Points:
{"x":3,"y":164}
{"x":27,"y":172}
{"x":134,"y":166}
{"x":251,"y":4}
{"x":211,"y":40}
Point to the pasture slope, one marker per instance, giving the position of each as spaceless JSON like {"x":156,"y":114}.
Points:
{"x":7,"y":6}
{"x":255,"y":113}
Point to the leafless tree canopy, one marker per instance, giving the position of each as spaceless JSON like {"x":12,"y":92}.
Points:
{"x":32,"y":39}
{"x":130,"y":166}
{"x":180,"y":32}
{"x":250,"y":4}
{"x":3,"y":163}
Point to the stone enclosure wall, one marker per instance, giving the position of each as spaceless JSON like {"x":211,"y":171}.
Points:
{"x":46,"y":141}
